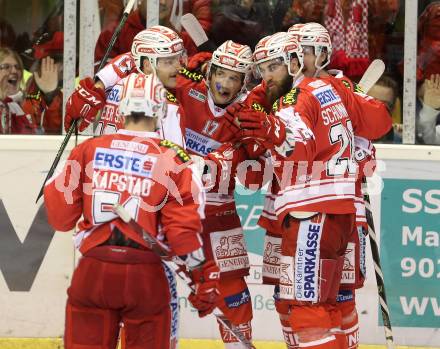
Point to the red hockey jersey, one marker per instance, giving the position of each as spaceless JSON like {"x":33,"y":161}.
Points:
{"x":150,"y":177}
{"x":316,"y":169}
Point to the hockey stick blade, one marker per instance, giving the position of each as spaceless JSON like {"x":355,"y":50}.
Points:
{"x":72,"y":127}
{"x":383,"y":303}
{"x":194,"y":29}
{"x":372,"y":75}
{"x":175,"y":263}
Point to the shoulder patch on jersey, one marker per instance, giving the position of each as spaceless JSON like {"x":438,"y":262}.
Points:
{"x":191,"y":75}
{"x":291,"y":97}
{"x":171,"y":98}
{"x":181,"y":153}
{"x":346,"y":83}
{"x":357,"y":88}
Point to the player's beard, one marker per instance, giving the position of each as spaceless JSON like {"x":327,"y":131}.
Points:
{"x":279,"y":89}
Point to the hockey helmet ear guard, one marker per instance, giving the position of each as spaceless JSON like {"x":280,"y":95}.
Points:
{"x":156,"y":42}
{"x":144,"y":94}
{"x":279,"y":45}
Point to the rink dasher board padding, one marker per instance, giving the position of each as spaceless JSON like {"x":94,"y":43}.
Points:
{"x":34,"y":278}
{"x":56,"y":343}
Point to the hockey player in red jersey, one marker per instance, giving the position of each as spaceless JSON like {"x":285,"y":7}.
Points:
{"x":157,"y":50}
{"x":316,"y":44}
{"x":316,"y":171}
{"x":119,"y":278}
{"x":208,"y":126}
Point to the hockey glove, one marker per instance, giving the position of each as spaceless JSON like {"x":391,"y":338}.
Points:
{"x":199,"y":62}
{"x":231,"y":122}
{"x":84,"y":103}
{"x":262,"y":126}
{"x":206,"y":292}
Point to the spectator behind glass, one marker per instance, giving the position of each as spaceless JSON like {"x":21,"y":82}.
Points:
{"x":13,"y":119}
{"x":428,"y":111}
{"x":243,"y":21}
{"x":44,"y":99}
{"x":428,"y":76}
{"x":386,"y":90}
{"x":7,"y":34}
{"x":169,"y":16}
{"x":428,"y":53}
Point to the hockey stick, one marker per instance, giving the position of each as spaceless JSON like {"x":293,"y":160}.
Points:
{"x":73,"y":127}
{"x":370,"y":77}
{"x":196,"y":32}
{"x":378,"y":270}
{"x":177,"y":265}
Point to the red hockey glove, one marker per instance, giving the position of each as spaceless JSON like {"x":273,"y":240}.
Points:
{"x":206,"y":292}
{"x":199,"y":61}
{"x":258,"y":124}
{"x":85,"y":102}
{"x":231,"y":122}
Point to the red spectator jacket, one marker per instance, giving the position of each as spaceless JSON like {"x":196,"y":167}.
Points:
{"x":201,"y":9}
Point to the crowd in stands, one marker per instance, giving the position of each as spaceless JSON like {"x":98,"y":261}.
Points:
{"x":361,"y":30}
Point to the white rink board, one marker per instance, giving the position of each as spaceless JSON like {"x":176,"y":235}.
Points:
{"x":36,"y":308}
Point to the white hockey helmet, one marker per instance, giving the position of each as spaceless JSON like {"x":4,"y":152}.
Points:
{"x":233,"y":56}
{"x":279,"y":45}
{"x":144,"y":94}
{"x":156,"y":42}
{"x":316,"y":36}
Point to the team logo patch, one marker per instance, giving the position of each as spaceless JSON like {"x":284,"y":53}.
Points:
{"x":181,"y":153}
{"x":196,"y":77}
{"x":229,"y":250}
{"x":200,"y":144}
{"x":197,"y":95}
{"x":124,"y":162}
{"x":272,"y":257}
{"x":348,"y":271}
{"x":236,"y":300}
{"x":326,"y":96}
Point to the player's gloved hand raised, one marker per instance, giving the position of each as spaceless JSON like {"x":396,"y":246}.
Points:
{"x":84,"y":103}
{"x":206,"y":292}
{"x":260,"y":125}
{"x":199,"y":62}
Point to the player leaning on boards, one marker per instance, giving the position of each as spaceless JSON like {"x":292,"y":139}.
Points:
{"x":118,"y":278}
{"x":315,"y":203}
